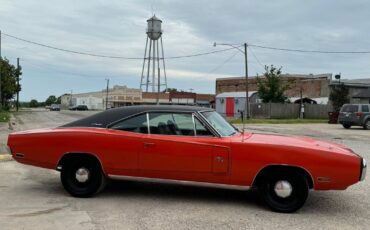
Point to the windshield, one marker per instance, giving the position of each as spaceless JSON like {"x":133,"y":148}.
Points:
{"x":219,"y":123}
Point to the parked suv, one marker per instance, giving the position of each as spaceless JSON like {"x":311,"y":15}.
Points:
{"x":355,"y":115}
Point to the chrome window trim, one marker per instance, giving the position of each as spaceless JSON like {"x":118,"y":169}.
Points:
{"x":197,"y":114}
{"x":195,"y":129}
{"x":147,"y":121}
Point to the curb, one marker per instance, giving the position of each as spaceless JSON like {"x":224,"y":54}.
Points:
{"x":5,"y":157}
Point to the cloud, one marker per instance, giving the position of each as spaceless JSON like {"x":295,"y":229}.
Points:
{"x":118,"y":28}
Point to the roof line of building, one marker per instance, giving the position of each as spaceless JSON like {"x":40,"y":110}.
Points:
{"x":323,"y":75}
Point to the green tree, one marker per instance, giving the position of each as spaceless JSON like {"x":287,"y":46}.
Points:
{"x":9,"y":87}
{"x":59,"y":100}
{"x":339,"y":96}
{"x":34,"y":103}
{"x":51,"y":100}
{"x":271,"y":87}
{"x":170,"y":90}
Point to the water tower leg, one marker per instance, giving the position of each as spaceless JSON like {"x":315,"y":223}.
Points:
{"x":142,"y":71}
{"x":147,"y":75}
{"x":164,"y":66}
{"x":159,"y":77}
{"x":153,"y":70}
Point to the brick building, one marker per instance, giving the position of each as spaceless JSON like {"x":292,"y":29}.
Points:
{"x":312,"y":85}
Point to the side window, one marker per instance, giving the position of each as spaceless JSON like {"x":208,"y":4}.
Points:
{"x":137,"y":124}
{"x":176,"y":124}
{"x":201,"y":129}
{"x":365,"y":108}
{"x":184,"y":123}
{"x":162,"y":123}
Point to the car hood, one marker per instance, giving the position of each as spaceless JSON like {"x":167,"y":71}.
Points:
{"x":296,"y":142}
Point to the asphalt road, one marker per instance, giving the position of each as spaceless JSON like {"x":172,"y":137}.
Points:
{"x":33,"y":198}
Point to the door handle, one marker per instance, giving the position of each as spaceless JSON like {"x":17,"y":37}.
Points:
{"x":146,"y":145}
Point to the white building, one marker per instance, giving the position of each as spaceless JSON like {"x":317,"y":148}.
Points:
{"x":229,"y":104}
{"x":117,"y":96}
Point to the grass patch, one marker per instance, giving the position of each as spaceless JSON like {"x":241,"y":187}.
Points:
{"x":279,"y":121}
{"x":4,"y":116}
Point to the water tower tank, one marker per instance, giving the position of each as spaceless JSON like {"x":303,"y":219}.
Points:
{"x":154,"y":30}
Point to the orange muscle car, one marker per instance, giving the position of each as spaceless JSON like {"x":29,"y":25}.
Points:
{"x":186,"y":144}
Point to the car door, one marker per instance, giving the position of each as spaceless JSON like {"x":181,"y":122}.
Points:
{"x":124,"y":142}
{"x":173,"y":150}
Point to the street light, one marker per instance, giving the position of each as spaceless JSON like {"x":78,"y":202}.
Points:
{"x":246,"y":71}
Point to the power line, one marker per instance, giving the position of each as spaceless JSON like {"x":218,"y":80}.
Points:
{"x":47,"y":67}
{"x":183,"y":56}
{"x":224,"y":62}
{"x":309,"y":51}
{"x":110,"y":56}
{"x":258,"y":61}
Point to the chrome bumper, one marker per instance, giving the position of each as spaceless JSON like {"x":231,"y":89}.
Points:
{"x":363,"y":169}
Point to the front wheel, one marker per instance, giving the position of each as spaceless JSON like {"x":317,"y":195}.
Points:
{"x":284,"y":191}
{"x":346,"y":126}
{"x":82,"y":177}
{"x":367,"y":124}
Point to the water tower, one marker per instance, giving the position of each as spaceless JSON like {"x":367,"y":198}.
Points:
{"x":151,"y":71}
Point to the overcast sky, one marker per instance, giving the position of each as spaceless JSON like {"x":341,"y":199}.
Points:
{"x":117,"y":27}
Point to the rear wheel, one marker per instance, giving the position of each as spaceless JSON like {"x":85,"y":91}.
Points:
{"x":367,"y":124}
{"x":284,"y":191}
{"x":82,"y":177}
{"x":346,"y":126}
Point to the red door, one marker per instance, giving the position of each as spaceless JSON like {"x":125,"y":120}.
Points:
{"x":229,"y":106}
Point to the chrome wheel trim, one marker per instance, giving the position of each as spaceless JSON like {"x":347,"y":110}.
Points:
{"x":82,"y":175}
{"x":283,"y":188}
{"x":367,"y":124}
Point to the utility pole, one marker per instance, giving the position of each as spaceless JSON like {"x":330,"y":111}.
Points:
{"x":106,"y":98}
{"x":301,"y":103}
{"x":246,"y":80}
{"x":1,"y":63}
{"x":246,"y":109}
{"x":17,"y":105}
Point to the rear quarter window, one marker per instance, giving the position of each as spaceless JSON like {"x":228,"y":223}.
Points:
{"x":349,"y":108}
{"x":365,"y":108}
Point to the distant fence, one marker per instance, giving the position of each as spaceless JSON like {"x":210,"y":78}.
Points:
{"x":287,"y":111}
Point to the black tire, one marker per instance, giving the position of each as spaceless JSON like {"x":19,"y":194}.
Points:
{"x":292,"y":202}
{"x":346,"y":126}
{"x":367,"y":124}
{"x":96,"y":180}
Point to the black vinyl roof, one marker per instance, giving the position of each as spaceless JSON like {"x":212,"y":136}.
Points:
{"x":103,"y":119}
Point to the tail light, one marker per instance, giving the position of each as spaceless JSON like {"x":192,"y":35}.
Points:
{"x":358,"y":115}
